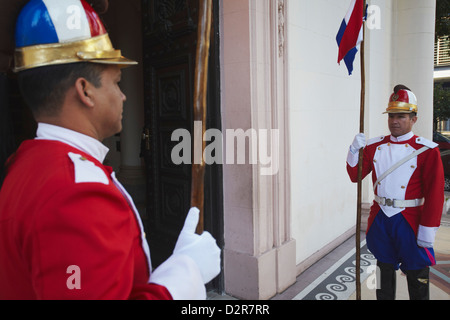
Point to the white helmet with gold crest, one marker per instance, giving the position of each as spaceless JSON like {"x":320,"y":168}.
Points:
{"x":403,"y":100}
{"x":51,"y":32}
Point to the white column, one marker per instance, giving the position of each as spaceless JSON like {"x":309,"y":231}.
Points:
{"x":259,"y":252}
{"x":415,"y":56}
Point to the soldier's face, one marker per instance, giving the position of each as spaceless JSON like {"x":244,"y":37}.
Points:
{"x":400,"y":123}
{"x":109,"y":100}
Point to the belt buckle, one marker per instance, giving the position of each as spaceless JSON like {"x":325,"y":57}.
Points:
{"x":389,"y":202}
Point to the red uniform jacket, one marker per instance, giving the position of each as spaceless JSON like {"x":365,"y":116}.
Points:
{"x":421,"y":177}
{"x":52,"y":220}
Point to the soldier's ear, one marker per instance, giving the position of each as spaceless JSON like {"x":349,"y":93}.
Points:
{"x":84,"y":91}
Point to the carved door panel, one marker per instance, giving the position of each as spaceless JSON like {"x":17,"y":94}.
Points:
{"x":170,"y":37}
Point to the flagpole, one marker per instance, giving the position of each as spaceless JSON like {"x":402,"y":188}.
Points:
{"x":360,"y":163}
{"x":200,"y":108}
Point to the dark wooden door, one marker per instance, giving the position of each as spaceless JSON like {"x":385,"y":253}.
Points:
{"x":170,"y":38}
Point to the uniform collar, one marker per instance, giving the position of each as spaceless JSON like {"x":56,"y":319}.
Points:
{"x":403,"y":138}
{"x":75,"y":139}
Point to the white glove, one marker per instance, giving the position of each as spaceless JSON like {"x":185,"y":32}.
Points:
{"x":424,"y":244}
{"x":358,"y":143}
{"x":426,"y":236}
{"x":200,"y":248}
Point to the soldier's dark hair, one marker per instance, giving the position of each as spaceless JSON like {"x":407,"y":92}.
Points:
{"x":44,"y":88}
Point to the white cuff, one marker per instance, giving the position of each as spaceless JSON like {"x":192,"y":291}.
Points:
{"x":352,"y":158}
{"x":181,"y":277}
{"x":424,"y":244}
{"x":426,"y":235}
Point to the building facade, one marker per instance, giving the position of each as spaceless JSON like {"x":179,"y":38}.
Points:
{"x":276,"y":84}
{"x":285,"y":76}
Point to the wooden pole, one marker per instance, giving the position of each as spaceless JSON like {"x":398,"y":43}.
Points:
{"x":360,"y":163}
{"x":200,"y":94}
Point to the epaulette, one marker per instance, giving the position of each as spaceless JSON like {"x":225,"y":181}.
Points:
{"x":426,"y":142}
{"x":87,"y":171}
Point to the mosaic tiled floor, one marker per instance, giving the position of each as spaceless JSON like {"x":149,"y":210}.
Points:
{"x":440,"y":273}
{"x":339,"y":282}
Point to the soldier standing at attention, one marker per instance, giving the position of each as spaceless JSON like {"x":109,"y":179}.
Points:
{"x":408,"y":178}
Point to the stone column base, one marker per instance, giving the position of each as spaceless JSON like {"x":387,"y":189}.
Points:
{"x":260,"y":278}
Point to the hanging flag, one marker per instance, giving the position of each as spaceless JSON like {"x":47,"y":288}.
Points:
{"x":350,"y":34}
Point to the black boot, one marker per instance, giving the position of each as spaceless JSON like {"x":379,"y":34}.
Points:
{"x":387,"y":284}
{"x":419,"y":284}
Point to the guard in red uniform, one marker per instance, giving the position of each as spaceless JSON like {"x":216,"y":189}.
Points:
{"x":408,"y":179}
{"x":68,"y":228}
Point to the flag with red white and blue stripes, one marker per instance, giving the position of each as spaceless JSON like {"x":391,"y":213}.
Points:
{"x":350,"y":34}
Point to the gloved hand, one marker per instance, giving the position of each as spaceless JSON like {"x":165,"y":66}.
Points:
{"x":358,"y":143}
{"x":426,"y":236}
{"x":200,"y":248}
{"x":424,"y":244}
